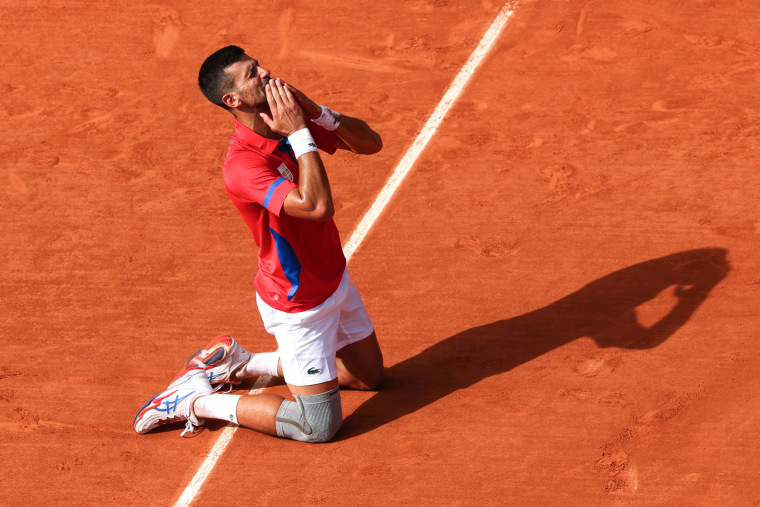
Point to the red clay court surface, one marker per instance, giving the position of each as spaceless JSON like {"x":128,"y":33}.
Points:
{"x":565,"y":287}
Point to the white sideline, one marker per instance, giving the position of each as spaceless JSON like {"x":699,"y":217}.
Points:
{"x":216,"y":452}
{"x":429,"y":129}
{"x":371,"y":216}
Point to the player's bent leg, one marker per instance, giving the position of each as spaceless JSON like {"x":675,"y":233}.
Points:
{"x":360,"y":364}
{"x":314,"y":417}
{"x":311,"y":418}
{"x":259,"y":411}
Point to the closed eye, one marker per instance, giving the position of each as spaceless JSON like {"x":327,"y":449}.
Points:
{"x":253,"y":68}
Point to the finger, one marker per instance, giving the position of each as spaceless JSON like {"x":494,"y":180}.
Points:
{"x":295,"y":94}
{"x":309,"y":107}
{"x":276,"y":99}
{"x":298,"y":94}
{"x":293,"y":89}
{"x":267,"y":119}
{"x":302,"y":99}
{"x":270,"y":95}
{"x":288,"y":93}
{"x":284,"y":97}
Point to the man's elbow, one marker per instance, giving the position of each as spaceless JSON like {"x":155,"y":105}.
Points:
{"x":323,"y":212}
{"x":320,"y":211}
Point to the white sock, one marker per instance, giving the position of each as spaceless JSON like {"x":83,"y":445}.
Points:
{"x":264,"y":363}
{"x":217,"y":406}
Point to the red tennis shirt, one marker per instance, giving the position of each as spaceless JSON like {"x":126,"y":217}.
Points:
{"x":301,"y":262}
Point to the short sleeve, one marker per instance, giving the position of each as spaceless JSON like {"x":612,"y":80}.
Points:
{"x":253,"y":183}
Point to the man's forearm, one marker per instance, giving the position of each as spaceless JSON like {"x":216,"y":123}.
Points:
{"x":312,"y":198}
{"x":358,"y":136}
{"x":355,"y":134}
{"x":314,"y":185}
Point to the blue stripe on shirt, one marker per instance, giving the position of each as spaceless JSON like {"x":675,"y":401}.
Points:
{"x":289,"y":262}
{"x":271,"y":190}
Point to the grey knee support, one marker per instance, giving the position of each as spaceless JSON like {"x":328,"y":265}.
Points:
{"x":311,"y":418}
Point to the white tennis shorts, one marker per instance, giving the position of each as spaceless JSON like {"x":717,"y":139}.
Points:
{"x":308,"y":341}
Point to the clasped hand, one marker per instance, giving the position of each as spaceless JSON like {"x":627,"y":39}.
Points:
{"x":289,"y":108}
{"x":286,"y":114}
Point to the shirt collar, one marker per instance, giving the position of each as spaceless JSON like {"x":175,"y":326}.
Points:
{"x":251,"y":138}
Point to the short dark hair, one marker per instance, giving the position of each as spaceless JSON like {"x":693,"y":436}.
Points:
{"x":213,"y":79}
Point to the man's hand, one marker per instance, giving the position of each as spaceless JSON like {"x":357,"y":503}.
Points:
{"x":287,"y":114}
{"x":353,"y":134}
{"x":310,"y":108}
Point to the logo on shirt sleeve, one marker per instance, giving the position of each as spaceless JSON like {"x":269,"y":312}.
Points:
{"x":285,"y":172}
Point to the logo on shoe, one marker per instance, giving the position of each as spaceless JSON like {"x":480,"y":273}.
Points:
{"x":313,"y":371}
{"x":172,"y":405}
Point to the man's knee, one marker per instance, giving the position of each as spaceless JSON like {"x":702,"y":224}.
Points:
{"x":312,"y":419}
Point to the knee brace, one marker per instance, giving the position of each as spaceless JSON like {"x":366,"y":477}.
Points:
{"x":311,"y":418}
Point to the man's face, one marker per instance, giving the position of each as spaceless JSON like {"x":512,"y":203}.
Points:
{"x":249,"y":82}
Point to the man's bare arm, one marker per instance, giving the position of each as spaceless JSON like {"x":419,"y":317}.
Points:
{"x":312,"y":199}
{"x":353,"y":134}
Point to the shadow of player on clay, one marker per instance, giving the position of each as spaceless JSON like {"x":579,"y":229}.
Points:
{"x":604,"y":310}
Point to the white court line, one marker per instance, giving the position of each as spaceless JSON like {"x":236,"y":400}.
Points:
{"x":374,"y":212}
{"x":429,"y":129}
{"x":216,"y":452}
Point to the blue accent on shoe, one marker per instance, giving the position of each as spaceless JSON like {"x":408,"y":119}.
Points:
{"x":216,"y":357}
{"x":212,"y":377}
{"x":289,"y":262}
{"x":271,"y":190}
{"x":171,"y":405}
{"x":144,"y":407}
{"x":189,"y":362}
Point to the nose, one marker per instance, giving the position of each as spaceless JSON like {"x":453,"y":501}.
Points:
{"x":263,"y":72}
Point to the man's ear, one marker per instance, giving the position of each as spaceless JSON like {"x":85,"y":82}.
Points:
{"x":231,"y":100}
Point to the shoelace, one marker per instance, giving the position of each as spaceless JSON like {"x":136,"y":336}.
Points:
{"x":189,"y":426}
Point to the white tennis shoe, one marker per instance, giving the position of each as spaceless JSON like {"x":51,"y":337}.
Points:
{"x":220,"y":359}
{"x":175,"y":403}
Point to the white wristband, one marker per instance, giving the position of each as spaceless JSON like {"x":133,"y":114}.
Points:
{"x":329,"y":119}
{"x":302,"y":142}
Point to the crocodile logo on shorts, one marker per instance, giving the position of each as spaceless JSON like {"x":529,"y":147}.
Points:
{"x":313,"y":371}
